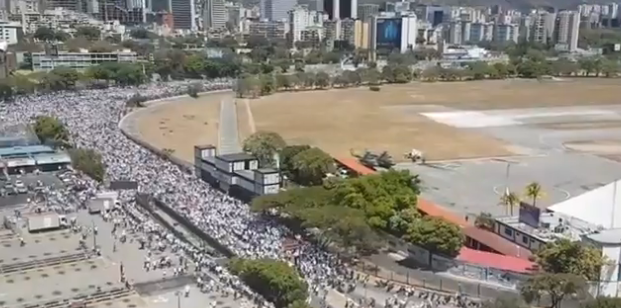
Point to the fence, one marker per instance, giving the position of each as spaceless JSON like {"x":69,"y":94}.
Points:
{"x":433,"y":282}
{"x":148,"y":203}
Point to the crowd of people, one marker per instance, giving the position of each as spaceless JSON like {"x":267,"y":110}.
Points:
{"x":93,"y":116}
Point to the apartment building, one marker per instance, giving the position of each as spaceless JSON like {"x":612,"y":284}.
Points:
{"x":567,"y":29}
{"x":79,"y":60}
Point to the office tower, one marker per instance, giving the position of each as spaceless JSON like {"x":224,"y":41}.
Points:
{"x":341,"y":9}
{"x":72,"y":5}
{"x":214,"y":15}
{"x":161,"y":5}
{"x":183,"y":14}
{"x":277,"y":10}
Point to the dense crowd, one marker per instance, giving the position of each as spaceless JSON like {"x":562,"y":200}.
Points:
{"x":92,"y":117}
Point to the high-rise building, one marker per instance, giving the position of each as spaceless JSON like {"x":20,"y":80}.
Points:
{"x":72,"y":5}
{"x":300,"y":19}
{"x":341,"y":9}
{"x":566,"y":30}
{"x":393,"y":33}
{"x":184,"y":13}
{"x":542,"y":27}
{"x":214,"y":15}
{"x":366,"y":11}
{"x":277,"y":10}
{"x":506,"y":33}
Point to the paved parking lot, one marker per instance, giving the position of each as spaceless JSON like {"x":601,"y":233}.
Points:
{"x":53,"y":266}
{"x":48,"y":179}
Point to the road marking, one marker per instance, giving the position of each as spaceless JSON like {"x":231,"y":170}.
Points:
{"x":251,"y":123}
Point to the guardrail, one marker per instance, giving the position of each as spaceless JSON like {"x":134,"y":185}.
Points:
{"x":147,"y":202}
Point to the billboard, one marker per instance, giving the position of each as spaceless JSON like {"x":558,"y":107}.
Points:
{"x":529,"y":215}
{"x":389,"y":33}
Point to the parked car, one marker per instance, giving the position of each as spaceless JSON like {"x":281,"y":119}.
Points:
{"x":20,"y":187}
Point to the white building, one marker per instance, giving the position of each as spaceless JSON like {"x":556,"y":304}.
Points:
{"x":10,"y":32}
{"x":214,"y":15}
{"x":80,"y":60}
{"x":300,"y":19}
{"x":567,"y":29}
{"x":601,"y":207}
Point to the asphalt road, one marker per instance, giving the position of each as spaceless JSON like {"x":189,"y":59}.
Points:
{"x":563,"y":173}
{"x":48,"y":179}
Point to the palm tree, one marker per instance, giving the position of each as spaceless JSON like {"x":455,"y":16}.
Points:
{"x":510,"y":199}
{"x":534,"y":192}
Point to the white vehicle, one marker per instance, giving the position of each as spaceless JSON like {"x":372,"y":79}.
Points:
{"x":20,"y":187}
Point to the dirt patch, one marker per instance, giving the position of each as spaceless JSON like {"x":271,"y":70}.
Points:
{"x":388,"y":120}
{"x":502,"y":94}
{"x":183,"y":124}
{"x":596,"y":146}
{"x":341,"y":120}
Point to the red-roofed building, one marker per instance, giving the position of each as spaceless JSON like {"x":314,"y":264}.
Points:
{"x":496,"y":261}
{"x":478,"y":239}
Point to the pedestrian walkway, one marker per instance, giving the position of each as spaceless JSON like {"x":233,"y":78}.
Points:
{"x":228,"y":134}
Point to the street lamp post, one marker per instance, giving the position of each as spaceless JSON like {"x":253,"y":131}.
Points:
{"x":178,"y":294}
{"x":94,"y":235}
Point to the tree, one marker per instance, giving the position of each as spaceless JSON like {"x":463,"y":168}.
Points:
{"x":140,"y":33}
{"x":100,"y":72}
{"x":90,"y":33}
{"x":130,"y":75}
{"x":311,"y":166}
{"x":264,"y":146}
{"x":60,"y":78}
{"x":504,"y":302}
{"x":509,"y":200}
{"x":534,"y":192}
{"x":564,"y":256}
{"x":50,"y":130}
{"x":45,"y":34}
{"x":555,"y":286}
{"x":436,"y":235}
{"x":88,"y":161}
{"x":194,"y":66}
{"x":275,"y":280}
{"x":286,"y":158}
{"x":381,"y":196}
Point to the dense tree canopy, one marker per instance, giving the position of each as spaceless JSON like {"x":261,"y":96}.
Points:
{"x":437,"y":235}
{"x":564,"y":256}
{"x":275,"y":280}
{"x":51,"y":130}
{"x":88,"y":161}
{"x":553,"y":287}
{"x":357,"y":212}
{"x":264,"y":146}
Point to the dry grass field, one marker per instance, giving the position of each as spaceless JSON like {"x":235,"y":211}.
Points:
{"x":340,"y":120}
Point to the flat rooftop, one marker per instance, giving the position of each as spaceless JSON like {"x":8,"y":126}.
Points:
{"x":610,"y":237}
{"x":552,"y":226}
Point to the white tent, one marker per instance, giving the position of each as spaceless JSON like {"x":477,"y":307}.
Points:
{"x":600,"y":206}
